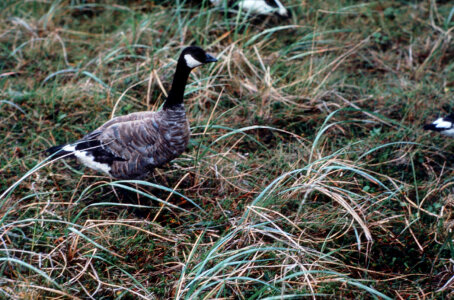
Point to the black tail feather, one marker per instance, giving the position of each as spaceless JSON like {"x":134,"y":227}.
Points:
{"x":91,"y":147}
{"x":57,"y":152}
{"x":433,"y":127}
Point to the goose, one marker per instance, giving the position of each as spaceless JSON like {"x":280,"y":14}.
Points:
{"x":444,"y":125}
{"x":257,"y":7}
{"x":131,"y":146}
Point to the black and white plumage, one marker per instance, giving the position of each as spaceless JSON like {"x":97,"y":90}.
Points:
{"x":444,"y":125}
{"x":257,"y":7}
{"x":131,"y":146}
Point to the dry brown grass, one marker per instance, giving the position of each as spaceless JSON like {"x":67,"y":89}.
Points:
{"x":307,"y":174}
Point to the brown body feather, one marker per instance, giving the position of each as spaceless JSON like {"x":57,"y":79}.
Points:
{"x":144,"y":140}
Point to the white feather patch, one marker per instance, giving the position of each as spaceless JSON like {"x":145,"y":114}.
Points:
{"x":69,"y":148}
{"x":282,"y":10}
{"x":191,"y":61}
{"x":261,"y":7}
{"x":90,"y":162}
{"x":448,"y":132}
{"x":442,"y":123}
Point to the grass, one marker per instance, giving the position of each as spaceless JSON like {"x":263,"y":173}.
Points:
{"x":307,"y":174}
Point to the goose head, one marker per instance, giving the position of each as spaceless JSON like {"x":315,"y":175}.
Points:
{"x":194,"y":56}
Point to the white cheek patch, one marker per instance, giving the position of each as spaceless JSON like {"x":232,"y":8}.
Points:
{"x":191,"y":61}
{"x":90,"y":162}
{"x":441,"y":123}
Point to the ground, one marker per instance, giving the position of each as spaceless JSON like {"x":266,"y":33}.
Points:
{"x":308,"y":173}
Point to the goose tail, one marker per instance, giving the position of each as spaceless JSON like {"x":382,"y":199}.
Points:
{"x":60,"y":151}
{"x":431,"y":127}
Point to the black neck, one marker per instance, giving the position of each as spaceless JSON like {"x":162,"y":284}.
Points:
{"x":180,"y":79}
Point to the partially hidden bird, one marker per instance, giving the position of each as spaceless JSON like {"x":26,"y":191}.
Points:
{"x":444,"y":125}
{"x":256,"y":7}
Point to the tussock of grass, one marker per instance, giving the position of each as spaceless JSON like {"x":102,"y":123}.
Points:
{"x":307,"y":175}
